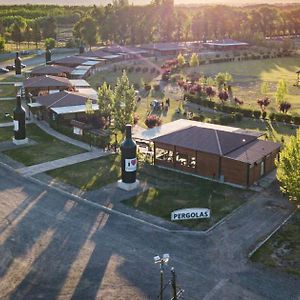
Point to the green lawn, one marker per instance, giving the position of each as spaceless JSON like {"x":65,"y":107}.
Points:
{"x":248,"y":76}
{"x":6,"y":133}
{"x":90,"y":175}
{"x":110,"y":76}
{"x":46,"y":149}
{"x":172,"y":190}
{"x":282,"y":251}
{"x":169,"y":191}
{"x":6,"y":107}
{"x":275,"y":131}
{"x":10,"y":78}
{"x":7,"y":91}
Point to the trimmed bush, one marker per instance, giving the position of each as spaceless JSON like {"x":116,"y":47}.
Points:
{"x":257,"y":114}
{"x":296,"y":120}
{"x":279,"y":117}
{"x":199,"y":118}
{"x":272,"y":116}
{"x":264,"y":115}
{"x":147,"y":87}
{"x":152,"y":121}
{"x":156,"y":87}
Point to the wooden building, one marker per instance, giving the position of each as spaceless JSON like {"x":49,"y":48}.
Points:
{"x":61,"y":106}
{"x":235,"y":157}
{"x":47,"y":84}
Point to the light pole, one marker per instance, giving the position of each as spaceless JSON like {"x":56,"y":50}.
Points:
{"x":161,"y":261}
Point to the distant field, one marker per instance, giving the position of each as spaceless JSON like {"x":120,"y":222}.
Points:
{"x":249,"y":75}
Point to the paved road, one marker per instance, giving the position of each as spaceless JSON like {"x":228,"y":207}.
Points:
{"x":53,"y":247}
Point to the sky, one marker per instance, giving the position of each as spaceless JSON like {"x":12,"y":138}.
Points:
{"x":97,"y":2}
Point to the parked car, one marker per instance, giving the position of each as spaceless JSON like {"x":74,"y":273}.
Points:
{"x":3,"y":70}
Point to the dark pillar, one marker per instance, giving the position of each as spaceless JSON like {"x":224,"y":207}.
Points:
{"x":48,"y":55}
{"x":128,"y":158}
{"x":18,"y":62}
{"x":19,"y":123}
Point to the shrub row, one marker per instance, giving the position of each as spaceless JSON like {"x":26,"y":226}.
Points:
{"x":245,"y":112}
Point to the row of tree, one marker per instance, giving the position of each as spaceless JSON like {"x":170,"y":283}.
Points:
{"x":159,"y":21}
{"x":162,"y":21}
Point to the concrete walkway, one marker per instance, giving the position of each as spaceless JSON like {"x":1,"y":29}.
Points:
{"x":45,"y":127}
{"x":7,"y":98}
{"x":59,"y":163}
{"x":9,"y":124}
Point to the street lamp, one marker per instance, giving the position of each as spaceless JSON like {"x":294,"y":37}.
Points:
{"x":161,"y":261}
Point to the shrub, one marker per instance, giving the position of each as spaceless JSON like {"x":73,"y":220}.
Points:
{"x":199,"y":118}
{"x":136,"y":86}
{"x":284,"y":107}
{"x":152,"y":121}
{"x":247,"y":112}
{"x":238,"y":117}
{"x":145,"y":69}
{"x":272,"y":116}
{"x":156,"y":87}
{"x":138,"y":69}
{"x":130,"y":69}
{"x":227,"y":119}
{"x":147,"y":87}
{"x":296,"y":120}
{"x":279,"y":117}
{"x":264,"y":115}
{"x":257,"y":114}
{"x":288,"y":119}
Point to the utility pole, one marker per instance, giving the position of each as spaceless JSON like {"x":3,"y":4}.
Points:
{"x":174,"y":284}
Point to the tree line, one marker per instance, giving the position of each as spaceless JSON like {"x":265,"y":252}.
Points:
{"x":122,"y":23}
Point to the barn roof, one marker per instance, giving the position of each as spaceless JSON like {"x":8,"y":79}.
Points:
{"x":51,"y":70}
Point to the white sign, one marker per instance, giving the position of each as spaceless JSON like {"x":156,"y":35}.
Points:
{"x":190,"y":213}
{"x":77,"y":131}
{"x":130,"y":164}
{"x":16,"y":125}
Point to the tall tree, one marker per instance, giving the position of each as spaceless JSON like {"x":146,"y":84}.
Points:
{"x":2,"y":44}
{"x":281,"y":91}
{"x":49,"y":28}
{"x":86,"y":30}
{"x":28,"y":34}
{"x":194,"y":61}
{"x":125,"y":103}
{"x":36,"y":33}
{"x":50,"y":43}
{"x":16,"y":34}
{"x":106,"y":101}
{"x":288,"y":168}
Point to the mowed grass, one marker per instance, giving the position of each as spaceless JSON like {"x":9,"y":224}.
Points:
{"x":110,"y":76}
{"x":6,"y":133}
{"x":169,"y":190}
{"x":249,"y":75}
{"x":6,"y":106}
{"x":90,"y":175}
{"x":282,"y":251}
{"x":47,"y":148}
{"x":276,"y":132}
{"x":172,"y":190}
